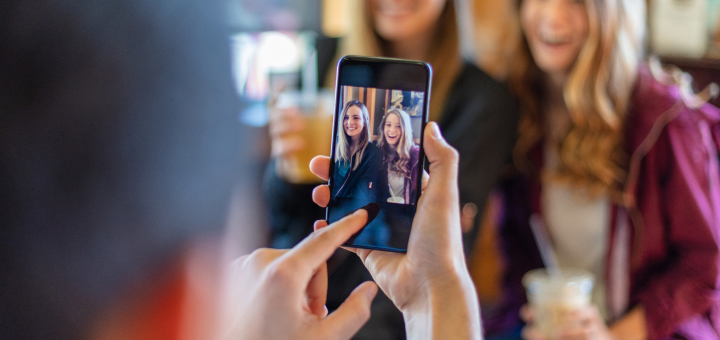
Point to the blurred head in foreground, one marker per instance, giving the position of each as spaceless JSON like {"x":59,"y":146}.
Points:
{"x":118,"y":148}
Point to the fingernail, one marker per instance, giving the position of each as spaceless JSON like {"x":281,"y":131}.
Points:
{"x":435,"y":131}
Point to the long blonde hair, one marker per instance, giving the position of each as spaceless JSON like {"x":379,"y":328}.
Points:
{"x":342,"y":149}
{"x":397,"y":159}
{"x":597,"y":94}
{"x":444,"y":54}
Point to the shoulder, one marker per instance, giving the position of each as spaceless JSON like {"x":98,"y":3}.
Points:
{"x":415,"y":151}
{"x":371,"y":151}
{"x":654,"y":104}
{"x":477,"y":100}
{"x":650,"y":98}
{"x":474,"y":85}
{"x":371,"y":146}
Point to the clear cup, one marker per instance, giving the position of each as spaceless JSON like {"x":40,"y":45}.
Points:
{"x":316,"y":113}
{"x":554,"y":298}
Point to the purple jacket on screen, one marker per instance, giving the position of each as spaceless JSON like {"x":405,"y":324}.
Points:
{"x":663,"y":247}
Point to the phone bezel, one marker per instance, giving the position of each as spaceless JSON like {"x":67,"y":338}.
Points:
{"x":375,"y":64}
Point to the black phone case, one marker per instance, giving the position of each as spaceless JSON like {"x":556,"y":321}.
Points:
{"x":371,"y":66}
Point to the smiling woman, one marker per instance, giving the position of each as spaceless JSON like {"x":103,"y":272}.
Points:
{"x":400,"y":159}
{"x":621,"y":167}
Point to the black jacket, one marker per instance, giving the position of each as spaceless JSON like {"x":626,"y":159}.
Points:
{"x":356,"y":181}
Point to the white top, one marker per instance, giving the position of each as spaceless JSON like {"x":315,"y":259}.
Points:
{"x":397,"y":187}
{"x":578,"y":224}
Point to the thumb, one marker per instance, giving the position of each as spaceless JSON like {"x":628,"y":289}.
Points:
{"x":443,"y":160}
{"x":352,"y":314}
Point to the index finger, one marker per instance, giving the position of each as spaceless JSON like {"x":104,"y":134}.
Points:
{"x":315,"y":249}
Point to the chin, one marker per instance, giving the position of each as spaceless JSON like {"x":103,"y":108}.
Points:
{"x":551,"y":65}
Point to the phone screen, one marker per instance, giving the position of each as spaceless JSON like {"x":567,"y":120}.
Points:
{"x":377,"y":156}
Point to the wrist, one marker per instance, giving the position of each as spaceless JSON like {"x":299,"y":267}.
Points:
{"x":447,"y":308}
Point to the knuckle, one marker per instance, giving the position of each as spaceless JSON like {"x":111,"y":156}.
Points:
{"x":280,"y":273}
{"x":453,"y":155}
{"x":263,"y":257}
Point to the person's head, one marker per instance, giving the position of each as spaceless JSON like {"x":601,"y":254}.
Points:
{"x":110,"y":166}
{"x":590,"y":48}
{"x":354,"y":120}
{"x":396,"y":140}
{"x":399,"y":20}
{"x":376,"y":24}
{"x":355,"y":134}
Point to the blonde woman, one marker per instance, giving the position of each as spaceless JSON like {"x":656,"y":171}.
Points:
{"x":623,"y":170}
{"x":356,"y":159}
{"x":396,"y":181}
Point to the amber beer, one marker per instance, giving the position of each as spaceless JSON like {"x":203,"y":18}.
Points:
{"x":316,"y":136}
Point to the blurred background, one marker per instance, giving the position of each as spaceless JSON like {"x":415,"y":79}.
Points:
{"x":278,"y":45}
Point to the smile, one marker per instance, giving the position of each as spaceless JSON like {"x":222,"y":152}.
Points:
{"x":554,"y":39}
{"x":394,"y":9}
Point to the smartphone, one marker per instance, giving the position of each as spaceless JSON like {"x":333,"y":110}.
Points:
{"x":377,"y":159}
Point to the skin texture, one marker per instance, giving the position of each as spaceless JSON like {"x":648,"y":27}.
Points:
{"x":406,"y":24}
{"x":353,"y":123}
{"x":430,"y":284}
{"x":392,"y":130}
{"x":556,"y":31}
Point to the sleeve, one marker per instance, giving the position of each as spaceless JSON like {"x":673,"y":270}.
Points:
{"x":291,"y":211}
{"x":483,"y":130}
{"x":687,"y":284}
{"x":520,"y":255}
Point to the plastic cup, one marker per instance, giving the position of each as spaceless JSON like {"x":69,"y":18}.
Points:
{"x":316,"y":136}
{"x":554,"y":298}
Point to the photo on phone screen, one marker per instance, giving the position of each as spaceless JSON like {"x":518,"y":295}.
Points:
{"x":377,"y":156}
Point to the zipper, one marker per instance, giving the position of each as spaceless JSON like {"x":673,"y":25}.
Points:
{"x":347,"y":176}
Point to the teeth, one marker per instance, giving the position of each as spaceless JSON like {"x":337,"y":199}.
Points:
{"x":394,"y":9}
{"x":553,"y":38}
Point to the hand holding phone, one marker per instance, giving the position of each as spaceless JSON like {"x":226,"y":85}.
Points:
{"x":377,"y":158}
{"x":430,"y":284}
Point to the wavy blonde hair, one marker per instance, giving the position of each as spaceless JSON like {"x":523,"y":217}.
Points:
{"x":342,"y":150}
{"x":397,"y":159}
{"x":597,"y":94}
{"x":444,"y":54}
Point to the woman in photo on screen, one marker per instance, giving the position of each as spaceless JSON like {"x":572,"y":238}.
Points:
{"x":397,"y":178}
{"x":621,"y":164}
{"x":356,"y":158}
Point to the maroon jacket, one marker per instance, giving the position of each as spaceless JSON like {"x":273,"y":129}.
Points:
{"x":663,"y":249}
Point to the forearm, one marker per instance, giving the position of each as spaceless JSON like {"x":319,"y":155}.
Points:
{"x":451,"y":311}
{"x":632,"y":326}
